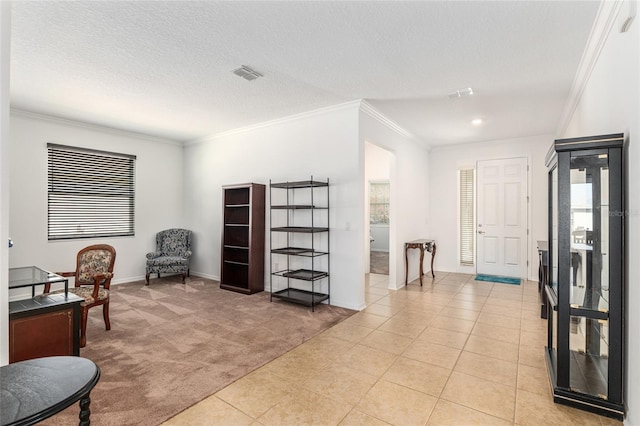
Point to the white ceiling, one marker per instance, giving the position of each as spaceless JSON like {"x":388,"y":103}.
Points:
{"x":164,"y":68}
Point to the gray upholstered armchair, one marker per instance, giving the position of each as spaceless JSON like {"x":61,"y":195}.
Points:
{"x":173,"y":250}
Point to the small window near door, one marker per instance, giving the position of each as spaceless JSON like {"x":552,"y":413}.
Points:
{"x":379,"y":203}
{"x":466,"y":193}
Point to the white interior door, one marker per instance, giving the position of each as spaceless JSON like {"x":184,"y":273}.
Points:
{"x":502,"y":217}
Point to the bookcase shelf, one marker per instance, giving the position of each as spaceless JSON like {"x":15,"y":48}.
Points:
{"x":300,"y":239}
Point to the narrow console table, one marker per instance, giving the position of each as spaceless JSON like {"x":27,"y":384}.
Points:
{"x":34,"y":390}
{"x":422,"y":245}
{"x":543,"y":276}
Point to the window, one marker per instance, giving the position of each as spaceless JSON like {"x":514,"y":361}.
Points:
{"x":467,"y":216}
{"x":91,"y":193}
{"x":379,"y":203}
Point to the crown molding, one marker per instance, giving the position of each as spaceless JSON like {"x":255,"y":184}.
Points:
{"x":90,"y":126}
{"x":602,"y":26}
{"x":278,"y":121}
{"x":358,"y":104}
{"x":503,"y":141}
{"x":366,"y":108}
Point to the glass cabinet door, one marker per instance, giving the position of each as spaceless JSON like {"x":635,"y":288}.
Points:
{"x":589,"y":289}
{"x":554,"y":231}
{"x":552,"y":311}
{"x":589,"y":232}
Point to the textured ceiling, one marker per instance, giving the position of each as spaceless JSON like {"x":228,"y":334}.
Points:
{"x":164,"y":68}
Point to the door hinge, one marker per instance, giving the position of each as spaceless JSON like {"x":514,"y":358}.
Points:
{"x":527,"y":263}
{"x":527,"y":198}
{"x":527,"y":232}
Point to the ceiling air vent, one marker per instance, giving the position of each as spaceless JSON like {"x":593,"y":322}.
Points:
{"x":461,"y":93}
{"x":247,"y":73}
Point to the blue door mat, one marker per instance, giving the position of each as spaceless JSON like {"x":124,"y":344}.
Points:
{"x":497,"y":279}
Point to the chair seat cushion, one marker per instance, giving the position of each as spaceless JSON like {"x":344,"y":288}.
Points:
{"x":86,"y":293}
{"x":168,"y":264}
{"x":168,"y":260}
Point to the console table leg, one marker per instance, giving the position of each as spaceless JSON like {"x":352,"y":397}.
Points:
{"x":433,"y":255}
{"x":406,"y":265}
{"x":85,"y":412}
{"x":421,"y":263}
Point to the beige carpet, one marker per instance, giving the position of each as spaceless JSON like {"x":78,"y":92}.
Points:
{"x":171,"y":345}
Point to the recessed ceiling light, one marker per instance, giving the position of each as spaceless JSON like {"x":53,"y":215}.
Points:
{"x":476,"y":121}
{"x":247,"y":73}
{"x":461,"y":93}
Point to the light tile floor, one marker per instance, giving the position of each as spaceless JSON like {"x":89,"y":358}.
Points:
{"x":453,"y":352}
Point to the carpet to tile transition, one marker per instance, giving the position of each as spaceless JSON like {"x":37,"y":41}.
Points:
{"x":172,"y":344}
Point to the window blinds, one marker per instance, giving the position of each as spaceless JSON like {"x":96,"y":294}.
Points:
{"x":90,"y":194}
{"x":467,"y":216}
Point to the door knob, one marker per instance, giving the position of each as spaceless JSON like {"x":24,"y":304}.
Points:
{"x":480,"y":232}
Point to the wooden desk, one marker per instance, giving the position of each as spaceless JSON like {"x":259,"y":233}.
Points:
{"x":422,"y":245}
{"x":44,"y":325}
{"x":34,"y":390}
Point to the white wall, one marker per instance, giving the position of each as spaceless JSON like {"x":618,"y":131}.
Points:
{"x":610,"y":104}
{"x":327,"y":143}
{"x":380,"y":235}
{"x":322,"y":144}
{"x":5,"y":37}
{"x":159,"y":197}
{"x":409,"y":191}
{"x":443,"y":166}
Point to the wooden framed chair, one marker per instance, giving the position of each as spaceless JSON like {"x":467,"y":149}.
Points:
{"x":94,"y":270}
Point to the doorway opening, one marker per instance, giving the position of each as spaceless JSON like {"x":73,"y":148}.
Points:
{"x":380,"y":253}
{"x":379,"y":227}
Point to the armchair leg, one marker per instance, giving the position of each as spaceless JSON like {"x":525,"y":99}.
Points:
{"x":183,"y":275}
{"x":147,"y":279}
{"x":83,"y":328}
{"x":105,"y":315}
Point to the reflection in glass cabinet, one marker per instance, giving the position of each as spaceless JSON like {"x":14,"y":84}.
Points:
{"x":586,"y":285}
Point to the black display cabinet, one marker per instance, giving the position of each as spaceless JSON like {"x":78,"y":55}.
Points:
{"x":585,"y":285}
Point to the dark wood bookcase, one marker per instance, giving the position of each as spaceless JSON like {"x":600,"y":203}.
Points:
{"x":242,"y":253}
